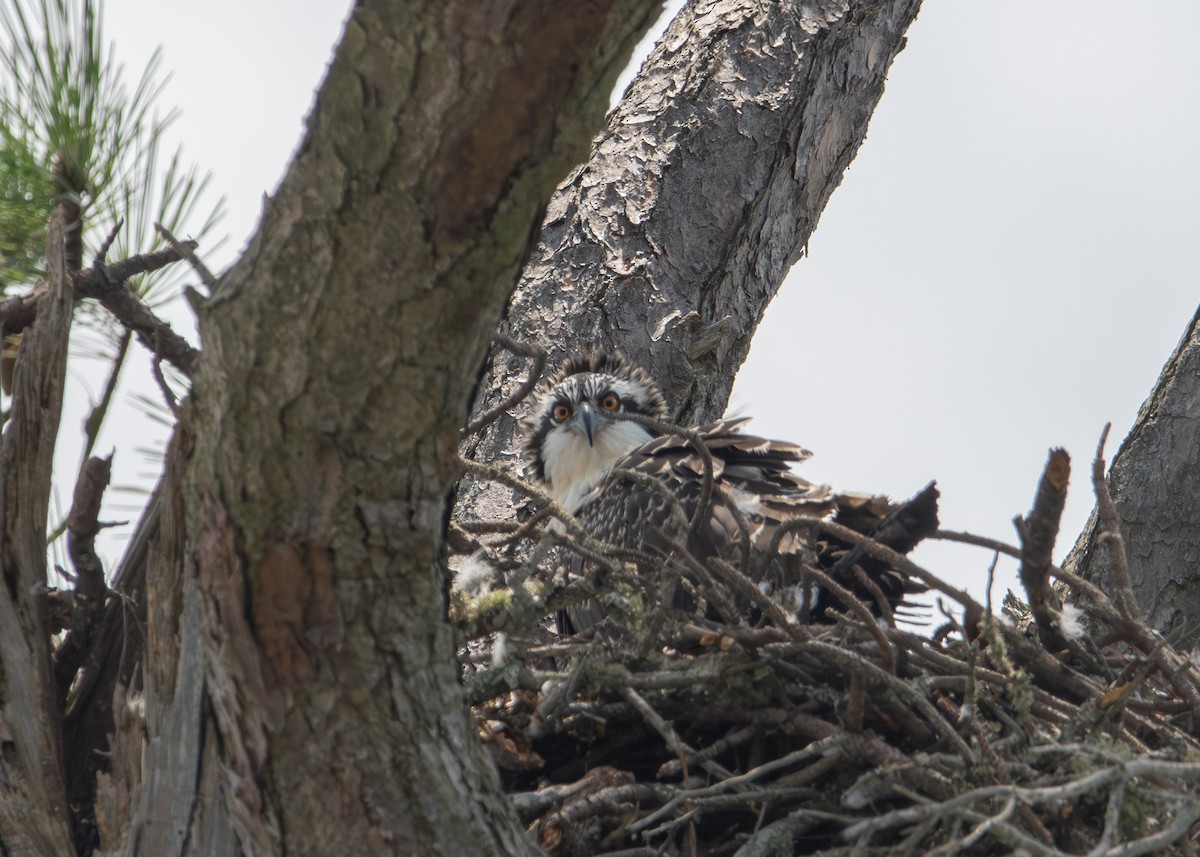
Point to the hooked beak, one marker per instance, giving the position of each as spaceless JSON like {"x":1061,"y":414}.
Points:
{"x":583,"y":417}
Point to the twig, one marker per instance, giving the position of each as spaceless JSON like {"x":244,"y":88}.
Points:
{"x":527,"y":804}
{"x":95,"y":282}
{"x":675,"y":744}
{"x":860,"y":610}
{"x":82,"y":526}
{"x":1110,"y":536}
{"x":95,"y":417}
{"x":980,"y":830}
{"x":1148,"y":641}
{"x":673,"y":767}
{"x":696,"y":441}
{"x":977,"y":541}
{"x":817,"y":748}
{"x":607,"y":800}
{"x":595,"y":547}
{"x":152,"y":332}
{"x":856,"y":701}
{"x":536,"y":368}
{"x":526,"y":530}
{"x":1172,"y":833}
{"x":106,"y":283}
{"x":1041,"y":794}
{"x":779,"y":837}
{"x":1112,"y":819}
{"x":98,"y":262}
{"x":168,"y":396}
{"x":19,"y":311}
{"x":743,"y":526}
{"x":557,"y":693}
{"x":744,"y":587}
{"x":186,"y":250}
{"x":479,"y":528}
{"x":898,"y":561}
{"x":882,"y":680}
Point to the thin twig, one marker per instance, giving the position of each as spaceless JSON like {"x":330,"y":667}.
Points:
{"x":95,"y":417}
{"x":536,"y":368}
{"x":98,"y":262}
{"x":860,"y":610}
{"x":977,"y":541}
{"x":674,"y":743}
{"x":186,"y":249}
{"x":569,"y":522}
{"x":1110,"y":536}
{"x":164,"y":388}
{"x":898,"y":561}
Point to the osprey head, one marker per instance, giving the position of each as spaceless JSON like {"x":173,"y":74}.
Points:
{"x":573,"y":436}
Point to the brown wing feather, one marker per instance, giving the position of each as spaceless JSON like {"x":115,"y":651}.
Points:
{"x":656,"y":489}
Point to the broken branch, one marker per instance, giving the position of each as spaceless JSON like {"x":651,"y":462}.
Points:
{"x":1037,"y":544}
{"x":83,"y":524}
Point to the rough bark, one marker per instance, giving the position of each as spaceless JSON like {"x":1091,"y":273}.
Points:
{"x":296,"y":690}
{"x":34,"y":817}
{"x":1155,"y":484}
{"x":670,"y":241}
{"x":300,"y":660}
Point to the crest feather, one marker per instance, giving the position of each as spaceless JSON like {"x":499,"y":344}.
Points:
{"x":603,"y":362}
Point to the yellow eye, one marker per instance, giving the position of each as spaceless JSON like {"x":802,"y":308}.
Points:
{"x":610,"y":402}
{"x":561,"y":412}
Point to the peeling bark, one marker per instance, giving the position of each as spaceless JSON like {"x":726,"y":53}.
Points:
{"x":670,"y":241}
{"x":296,"y":689}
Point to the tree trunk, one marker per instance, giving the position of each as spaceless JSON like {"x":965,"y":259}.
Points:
{"x":1155,"y":483}
{"x":670,"y":241}
{"x":300,"y":662}
{"x":34,"y":817}
{"x":298,"y":691}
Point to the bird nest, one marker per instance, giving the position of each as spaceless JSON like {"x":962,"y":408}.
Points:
{"x":1059,"y":725}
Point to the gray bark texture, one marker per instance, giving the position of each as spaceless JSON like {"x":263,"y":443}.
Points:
{"x":278,"y":673}
{"x":301,"y":692}
{"x":1155,"y":484}
{"x":670,"y":241}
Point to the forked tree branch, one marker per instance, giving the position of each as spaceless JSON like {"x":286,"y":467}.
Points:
{"x":106,"y":283}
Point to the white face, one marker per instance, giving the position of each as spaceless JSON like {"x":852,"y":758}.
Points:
{"x":584,"y":441}
{"x":574,"y":466}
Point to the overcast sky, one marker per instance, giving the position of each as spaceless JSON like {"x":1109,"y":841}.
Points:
{"x":1009,"y":260}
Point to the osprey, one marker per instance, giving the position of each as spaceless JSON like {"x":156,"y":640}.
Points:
{"x":591,"y":441}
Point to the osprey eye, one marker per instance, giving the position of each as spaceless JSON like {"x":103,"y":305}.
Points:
{"x":610,"y":402}
{"x":561,"y":412}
